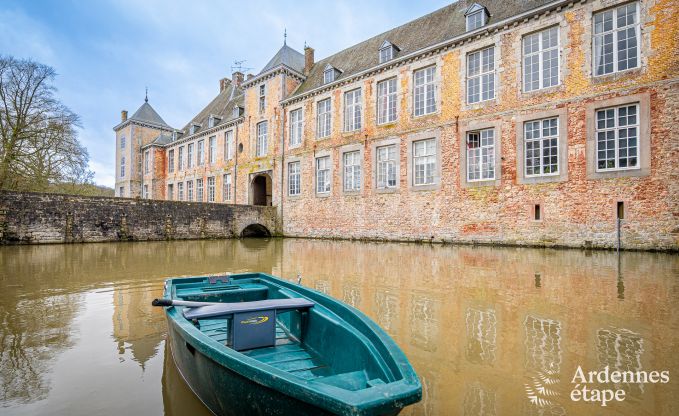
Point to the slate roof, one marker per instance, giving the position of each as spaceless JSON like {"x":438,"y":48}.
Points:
{"x":436,"y":27}
{"x":286,"y":56}
{"x":221,"y":106}
{"x":147,"y":114}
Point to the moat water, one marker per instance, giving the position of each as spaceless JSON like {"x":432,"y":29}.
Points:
{"x":490,"y":331}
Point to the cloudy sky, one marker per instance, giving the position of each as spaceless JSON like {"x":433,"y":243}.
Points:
{"x":107,"y":52}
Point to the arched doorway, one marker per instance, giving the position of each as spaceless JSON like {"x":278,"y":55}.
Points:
{"x":260,"y":189}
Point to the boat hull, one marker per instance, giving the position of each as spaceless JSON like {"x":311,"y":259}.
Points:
{"x":227,"y":393}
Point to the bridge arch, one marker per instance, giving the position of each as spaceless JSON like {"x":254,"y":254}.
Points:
{"x":255,"y":230}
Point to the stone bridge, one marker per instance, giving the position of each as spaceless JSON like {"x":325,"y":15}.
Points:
{"x":35,"y":218}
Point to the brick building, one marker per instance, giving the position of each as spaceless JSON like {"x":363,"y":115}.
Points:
{"x":503,"y":121}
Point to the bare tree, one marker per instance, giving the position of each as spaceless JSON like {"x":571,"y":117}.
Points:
{"x":39,"y":145}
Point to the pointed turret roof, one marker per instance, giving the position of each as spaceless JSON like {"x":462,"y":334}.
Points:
{"x":288,"y":57}
{"x":146,"y":114}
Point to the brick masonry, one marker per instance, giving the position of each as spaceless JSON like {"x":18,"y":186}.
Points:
{"x":578,"y":206}
{"x":34,"y":218}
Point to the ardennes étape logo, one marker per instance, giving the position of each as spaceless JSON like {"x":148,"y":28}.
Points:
{"x":255,"y":320}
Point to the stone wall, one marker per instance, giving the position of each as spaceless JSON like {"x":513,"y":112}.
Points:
{"x":34,"y":218}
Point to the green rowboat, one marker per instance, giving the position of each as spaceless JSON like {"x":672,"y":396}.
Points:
{"x":253,"y":344}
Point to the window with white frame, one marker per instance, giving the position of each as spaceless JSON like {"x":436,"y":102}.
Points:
{"x":122,"y":167}
{"x":386,"y":166}
{"x":211,"y":189}
{"x":541,"y":59}
{"x":180,"y":156}
{"x":323,"y":118}
{"x":481,"y":155}
{"x":541,"y":144}
{"x":328,"y":74}
{"x":323,"y":174}
{"x":481,"y":75}
{"x":121,"y":191}
{"x":262,"y":98}
{"x":200,"y":154}
{"x":424,"y":162}
{"x":424,"y":95}
{"x":617,"y":137}
{"x":386,"y":53}
{"x":170,"y":192}
{"x":352,"y":110}
{"x":189,"y":190}
{"x":145,"y":192}
{"x":228,"y":145}
{"x":147,"y":164}
{"x":352,"y":171}
{"x":616,"y":39}
{"x":180,"y":191}
{"x":212,"y":149}
{"x":294,"y":179}
{"x":199,"y":190}
{"x":122,"y":142}
{"x":170,"y":161}
{"x":210,"y":122}
{"x":475,"y":20}
{"x":386,"y":101}
{"x":262,"y":146}
{"x":189,"y":155}
{"x":226,"y":192}
{"x":296,"y":127}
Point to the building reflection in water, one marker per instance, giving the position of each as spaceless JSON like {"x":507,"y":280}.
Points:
{"x":137,"y":328}
{"x":424,"y":322}
{"x":543,"y":345}
{"x":481,"y":328}
{"x":478,"y":401}
{"x":469,"y":319}
{"x":621,"y":349}
{"x":387,"y":310}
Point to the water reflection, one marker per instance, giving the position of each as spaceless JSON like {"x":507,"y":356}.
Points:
{"x":136,"y":327}
{"x":77,"y":334}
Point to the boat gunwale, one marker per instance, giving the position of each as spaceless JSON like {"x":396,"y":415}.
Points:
{"x":404,"y":391}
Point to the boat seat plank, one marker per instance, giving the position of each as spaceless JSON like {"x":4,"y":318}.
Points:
{"x":222,"y":309}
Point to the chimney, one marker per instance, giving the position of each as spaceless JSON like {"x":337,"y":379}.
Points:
{"x":123,"y":115}
{"x":237,"y":78}
{"x":224,"y":84}
{"x":308,"y":59}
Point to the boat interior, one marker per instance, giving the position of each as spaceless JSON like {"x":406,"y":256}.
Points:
{"x":316,"y":344}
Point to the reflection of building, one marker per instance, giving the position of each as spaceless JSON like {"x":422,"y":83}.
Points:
{"x":137,"y":326}
{"x":481,"y":328}
{"x":424,"y":324}
{"x":387,"y":310}
{"x":621,"y":349}
{"x":351,"y":294}
{"x":543,"y":345}
{"x":479,"y":401}
{"x":322,"y":286}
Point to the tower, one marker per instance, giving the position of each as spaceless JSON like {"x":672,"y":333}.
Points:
{"x":132,"y":134}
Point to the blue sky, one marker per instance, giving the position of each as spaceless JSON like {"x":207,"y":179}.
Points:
{"x":107,"y":52}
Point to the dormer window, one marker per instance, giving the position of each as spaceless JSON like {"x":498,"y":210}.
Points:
{"x":387,"y":51}
{"x":330,"y":73}
{"x":174,"y":135}
{"x":237,"y":111}
{"x":477,"y":16}
{"x":194,"y":128}
{"x":213,"y":120}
